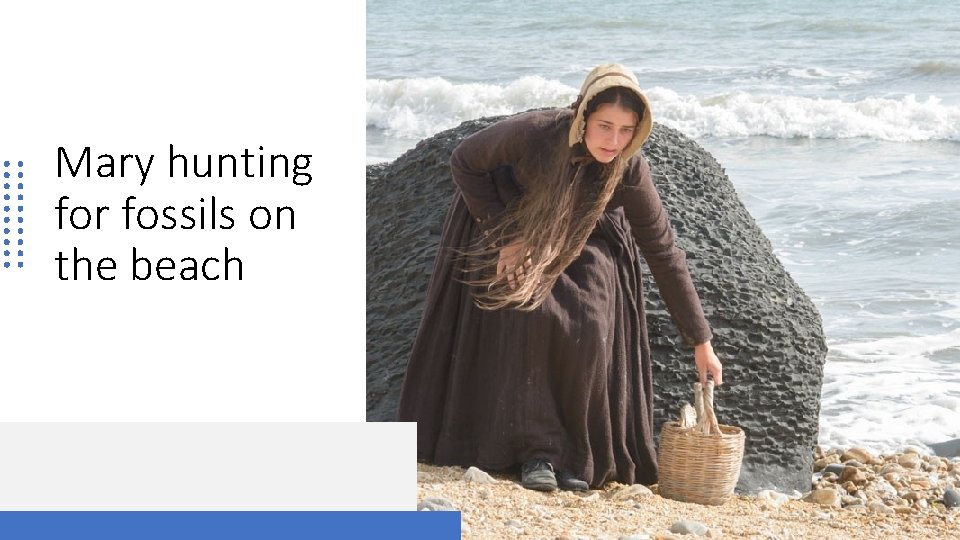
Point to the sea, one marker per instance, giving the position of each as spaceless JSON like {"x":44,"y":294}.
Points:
{"x":837,"y":122}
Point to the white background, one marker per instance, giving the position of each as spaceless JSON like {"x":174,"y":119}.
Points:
{"x":284,"y":344}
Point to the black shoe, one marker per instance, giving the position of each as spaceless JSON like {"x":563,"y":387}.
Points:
{"x":568,"y":482}
{"x":538,"y":474}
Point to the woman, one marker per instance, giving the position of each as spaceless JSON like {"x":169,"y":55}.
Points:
{"x":533,"y":346}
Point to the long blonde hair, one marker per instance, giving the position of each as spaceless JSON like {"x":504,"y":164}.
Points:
{"x":552,"y":221}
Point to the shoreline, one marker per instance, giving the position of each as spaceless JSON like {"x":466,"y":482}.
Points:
{"x":853,"y":494}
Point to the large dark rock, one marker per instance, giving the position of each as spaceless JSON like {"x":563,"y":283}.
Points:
{"x":767,"y":332}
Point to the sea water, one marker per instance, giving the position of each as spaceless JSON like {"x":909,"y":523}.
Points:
{"x":839,"y":125}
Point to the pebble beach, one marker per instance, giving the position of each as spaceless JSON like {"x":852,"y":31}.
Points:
{"x":853,"y":494}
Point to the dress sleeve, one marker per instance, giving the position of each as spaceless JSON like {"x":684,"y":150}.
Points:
{"x":668,"y":263}
{"x":477,"y":157}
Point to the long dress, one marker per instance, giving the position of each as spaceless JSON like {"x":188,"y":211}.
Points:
{"x":571,"y":381}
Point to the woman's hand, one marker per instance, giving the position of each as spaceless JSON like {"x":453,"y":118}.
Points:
{"x":708,"y":363}
{"x":509,"y":263}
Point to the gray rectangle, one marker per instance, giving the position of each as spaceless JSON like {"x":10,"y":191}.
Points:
{"x":208,"y":466}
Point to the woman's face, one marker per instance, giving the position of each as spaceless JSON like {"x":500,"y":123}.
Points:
{"x":609,"y":130}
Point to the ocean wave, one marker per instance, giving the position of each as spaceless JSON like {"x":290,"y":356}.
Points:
{"x":820,"y":26}
{"x":933,"y":67}
{"x":420,"y":107}
{"x":843,"y":26}
{"x":873,"y":229}
{"x":907,"y":401}
{"x":572,"y":22}
{"x":777,"y":79}
{"x":886,"y":425}
{"x":742,"y":115}
{"x":903,"y":352}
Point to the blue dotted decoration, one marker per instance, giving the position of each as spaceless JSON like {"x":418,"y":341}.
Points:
{"x":6,"y":218}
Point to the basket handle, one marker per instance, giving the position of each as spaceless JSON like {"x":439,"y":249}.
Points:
{"x":703,"y":403}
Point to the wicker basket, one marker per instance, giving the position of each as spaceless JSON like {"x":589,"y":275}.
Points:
{"x":700,"y":464}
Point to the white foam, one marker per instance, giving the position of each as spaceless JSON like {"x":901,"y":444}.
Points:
{"x":879,"y":413}
{"x":887,"y":393}
{"x":951,"y":307}
{"x":420,"y":107}
{"x":839,"y":78}
{"x":742,"y":115}
{"x":907,"y":350}
{"x":885,"y":430}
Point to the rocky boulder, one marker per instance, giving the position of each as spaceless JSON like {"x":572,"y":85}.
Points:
{"x":767,"y":332}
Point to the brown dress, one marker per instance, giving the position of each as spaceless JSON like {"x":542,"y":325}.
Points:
{"x":571,"y":381}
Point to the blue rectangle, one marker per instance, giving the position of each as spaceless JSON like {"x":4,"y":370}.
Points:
{"x":234,"y":525}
